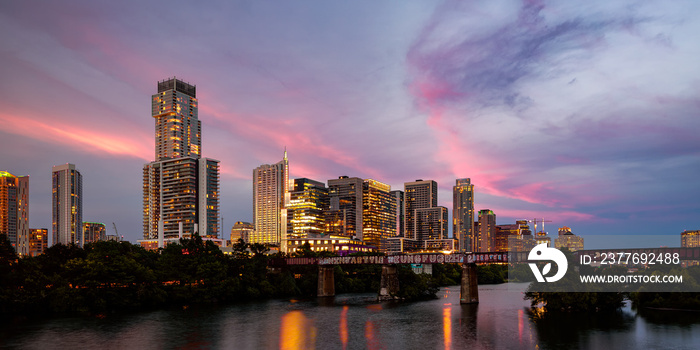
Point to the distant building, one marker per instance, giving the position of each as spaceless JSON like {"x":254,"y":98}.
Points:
{"x":567,"y":239}
{"x":14,"y":211}
{"x":340,"y":245}
{"x":486,"y":232}
{"x":345,"y":214}
{"x":308,"y":202}
{"x":463,"y":214}
{"x":67,"y":205}
{"x":400,"y":213}
{"x":419,"y":194}
{"x":180,"y":188}
{"x":241,"y":230}
{"x":431,"y":223}
{"x":93,"y":232}
{"x":270,"y":200}
{"x":38,"y":241}
{"x":378,"y":214}
{"x":504,"y":234}
{"x":397,"y":245}
{"x":690,"y":239}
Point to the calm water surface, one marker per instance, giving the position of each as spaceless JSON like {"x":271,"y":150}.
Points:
{"x":356,"y":321}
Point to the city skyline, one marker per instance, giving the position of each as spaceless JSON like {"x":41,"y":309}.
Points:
{"x":585,"y":116}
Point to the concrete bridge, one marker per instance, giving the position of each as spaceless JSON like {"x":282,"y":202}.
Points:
{"x":389,"y":284}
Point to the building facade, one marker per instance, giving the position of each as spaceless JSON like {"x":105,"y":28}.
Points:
{"x":93,"y":232}
{"x":308,"y":202}
{"x":14,"y":211}
{"x":180,"y":188}
{"x":270,"y":199}
{"x":345,"y":214}
{"x":241,"y":230}
{"x":418,"y":194}
{"x":67,"y":205}
{"x":463,"y":213}
{"x":378,"y":214}
{"x":400,"y":212}
{"x":486,"y":233}
{"x":38,"y":241}
{"x":690,"y":238}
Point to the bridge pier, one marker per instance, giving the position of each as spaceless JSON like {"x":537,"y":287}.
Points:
{"x":389,"y":284}
{"x":469,"y":291}
{"x":326,"y":281}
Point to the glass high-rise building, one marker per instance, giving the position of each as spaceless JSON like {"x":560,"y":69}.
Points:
{"x":345,"y":214}
{"x":270,"y":200}
{"x":399,"y":199}
{"x":180,"y":189}
{"x":463,"y":214}
{"x":67,"y":205}
{"x":308,"y":202}
{"x":378,"y":214}
{"x":486,"y":235}
{"x":14,"y":210}
{"x":419,"y":194}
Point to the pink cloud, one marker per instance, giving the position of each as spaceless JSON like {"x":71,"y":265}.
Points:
{"x":94,"y":141}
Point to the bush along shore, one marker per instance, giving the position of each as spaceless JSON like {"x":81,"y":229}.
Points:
{"x":109,"y":276}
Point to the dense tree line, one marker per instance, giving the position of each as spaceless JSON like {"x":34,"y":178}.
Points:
{"x":112,"y":276}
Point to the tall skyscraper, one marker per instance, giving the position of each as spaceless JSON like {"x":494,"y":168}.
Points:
{"x":67,"y":205}
{"x":378,"y":214}
{"x":308,"y":202}
{"x":400,"y":214}
{"x":345,"y":204}
{"x":180,"y":189}
{"x":418,"y":195}
{"x":270,"y":199}
{"x":14,"y":210}
{"x":463,"y":213}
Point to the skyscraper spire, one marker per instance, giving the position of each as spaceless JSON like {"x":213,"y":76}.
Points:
{"x":285,"y":152}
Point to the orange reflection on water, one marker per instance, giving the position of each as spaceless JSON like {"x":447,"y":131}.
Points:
{"x":447,"y":327}
{"x":344,"y":327}
{"x":375,"y":307}
{"x":521,"y":325}
{"x":297,"y":331}
{"x":370,"y":335}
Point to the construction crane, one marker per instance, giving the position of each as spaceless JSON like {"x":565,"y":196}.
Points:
{"x":535,"y":221}
{"x":115,"y":230}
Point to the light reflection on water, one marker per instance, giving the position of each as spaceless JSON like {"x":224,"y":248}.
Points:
{"x":501,"y":320}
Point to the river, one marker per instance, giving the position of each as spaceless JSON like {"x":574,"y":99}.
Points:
{"x":356,"y":321}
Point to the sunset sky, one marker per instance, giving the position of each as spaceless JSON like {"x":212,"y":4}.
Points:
{"x":583,"y":113}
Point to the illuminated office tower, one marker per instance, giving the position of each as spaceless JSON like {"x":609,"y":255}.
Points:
{"x":38,"y":241}
{"x":378,"y":214}
{"x":308,"y":202}
{"x":14,"y":210}
{"x":486,"y":234}
{"x":67,"y":205}
{"x":399,"y":199}
{"x":270,"y":198}
{"x":345,"y":214}
{"x":418,"y":195}
{"x":93,"y":232}
{"x":180,"y":189}
{"x":241,"y":230}
{"x":463,"y":213}
{"x":690,"y":238}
